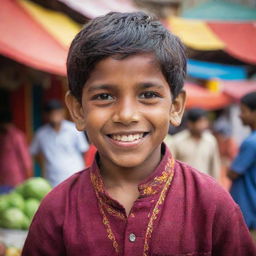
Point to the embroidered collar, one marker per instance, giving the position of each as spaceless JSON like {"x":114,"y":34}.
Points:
{"x":150,"y":186}
{"x":157,"y":183}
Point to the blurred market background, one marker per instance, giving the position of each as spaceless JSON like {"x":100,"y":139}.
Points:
{"x":220,"y":37}
{"x":35,"y":35}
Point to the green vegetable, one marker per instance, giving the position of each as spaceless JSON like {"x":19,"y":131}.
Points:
{"x":19,"y":189}
{"x":14,"y":218}
{"x":4,"y":203}
{"x":30,"y":208}
{"x":15,"y":200}
{"x":36,"y":188}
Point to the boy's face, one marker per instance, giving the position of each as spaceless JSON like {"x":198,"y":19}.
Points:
{"x":126,"y":109}
{"x":247,"y":116}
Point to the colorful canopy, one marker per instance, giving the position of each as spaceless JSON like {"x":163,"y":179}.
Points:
{"x":234,"y":25}
{"x":221,"y":10}
{"x":40,"y":38}
{"x":59,"y":26}
{"x":26,"y":41}
{"x":195,"y":34}
{"x":239,"y":38}
{"x":203,"y":98}
{"x":209,"y":70}
{"x":237,"y":89}
{"x":94,"y":8}
{"x":236,"y":38}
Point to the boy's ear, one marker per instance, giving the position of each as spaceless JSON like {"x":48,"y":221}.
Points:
{"x":177,"y":108}
{"x":76,"y":111}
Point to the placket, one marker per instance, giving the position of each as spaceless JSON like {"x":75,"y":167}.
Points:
{"x":135,"y":230}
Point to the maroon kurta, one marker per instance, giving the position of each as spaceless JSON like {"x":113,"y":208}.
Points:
{"x":179,"y":212}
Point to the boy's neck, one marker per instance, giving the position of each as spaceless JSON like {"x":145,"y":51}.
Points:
{"x":118,"y":176}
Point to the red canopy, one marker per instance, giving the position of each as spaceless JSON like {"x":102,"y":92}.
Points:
{"x":240,"y":39}
{"x":237,"y":89}
{"x":24,"y":40}
{"x":203,"y":98}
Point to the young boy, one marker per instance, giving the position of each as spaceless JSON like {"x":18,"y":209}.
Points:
{"x":126,"y":75}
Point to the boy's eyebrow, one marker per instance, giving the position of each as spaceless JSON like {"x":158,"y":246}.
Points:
{"x":100,"y":87}
{"x":148,"y":85}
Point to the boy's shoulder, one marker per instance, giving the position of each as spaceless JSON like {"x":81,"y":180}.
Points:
{"x":201,"y":188}
{"x":67,"y":191}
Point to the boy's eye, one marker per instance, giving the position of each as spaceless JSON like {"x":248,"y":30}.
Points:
{"x":103,"y":96}
{"x":149,"y":95}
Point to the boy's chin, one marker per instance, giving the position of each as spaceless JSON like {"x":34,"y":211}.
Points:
{"x":129,"y":162}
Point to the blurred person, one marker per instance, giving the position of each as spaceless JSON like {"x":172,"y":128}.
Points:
{"x":58,"y":145}
{"x":15,"y":160}
{"x":243,"y":168}
{"x":228,"y":149}
{"x":196,"y":145}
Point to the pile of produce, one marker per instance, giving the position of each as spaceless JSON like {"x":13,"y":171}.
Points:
{"x":9,"y":251}
{"x":19,"y":206}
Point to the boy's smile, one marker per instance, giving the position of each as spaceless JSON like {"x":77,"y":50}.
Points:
{"x":126,"y":110}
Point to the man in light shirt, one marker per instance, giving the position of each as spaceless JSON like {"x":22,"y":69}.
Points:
{"x":60,"y":145}
{"x":196,"y":145}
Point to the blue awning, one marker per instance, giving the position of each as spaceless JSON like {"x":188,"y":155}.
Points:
{"x":209,"y":70}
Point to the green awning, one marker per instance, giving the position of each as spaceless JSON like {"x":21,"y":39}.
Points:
{"x":219,"y":10}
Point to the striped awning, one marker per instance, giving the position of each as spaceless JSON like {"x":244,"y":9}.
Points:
{"x":236,"y":38}
{"x":40,"y":38}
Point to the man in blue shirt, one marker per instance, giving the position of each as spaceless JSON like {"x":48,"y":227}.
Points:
{"x":60,"y":145}
{"x":243,"y":168}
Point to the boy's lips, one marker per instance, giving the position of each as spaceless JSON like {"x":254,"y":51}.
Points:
{"x":128,"y":138}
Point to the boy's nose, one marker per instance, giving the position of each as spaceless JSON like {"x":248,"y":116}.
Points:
{"x":126,"y":113}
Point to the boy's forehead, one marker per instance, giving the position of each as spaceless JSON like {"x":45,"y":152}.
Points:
{"x":148,"y":59}
{"x":137,"y":66}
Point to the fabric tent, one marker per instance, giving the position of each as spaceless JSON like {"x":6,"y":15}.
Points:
{"x":220,"y":10}
{"x":236,"y":38}
{"x":39,"y":38}
{"x":94,"y":8}
{"x":209,"y":70}
{"x":203,"y":98}
{"x":237,"y":89}
{"x":239,"y":38}
{"x":25,"y":41}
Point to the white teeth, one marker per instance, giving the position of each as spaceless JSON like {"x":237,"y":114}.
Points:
{"x":127,"y":138}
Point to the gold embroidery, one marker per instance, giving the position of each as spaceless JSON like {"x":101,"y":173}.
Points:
{"x":156,"y":209}
{"x":97,"y":182}
{"x":114,"y":212}
{"x":99,"y":186}
{"x":110,"y":233}
{"x":154,"y":186}
{"x":147,"y":189}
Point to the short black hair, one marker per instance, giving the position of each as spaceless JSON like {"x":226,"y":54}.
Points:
{"x":195,"y":114}
{"x":120,"y":35}
{"x":249,"y":100}
{"x":52,"y":105}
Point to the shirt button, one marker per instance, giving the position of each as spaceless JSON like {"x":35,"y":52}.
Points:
{"x":132,"y":237}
